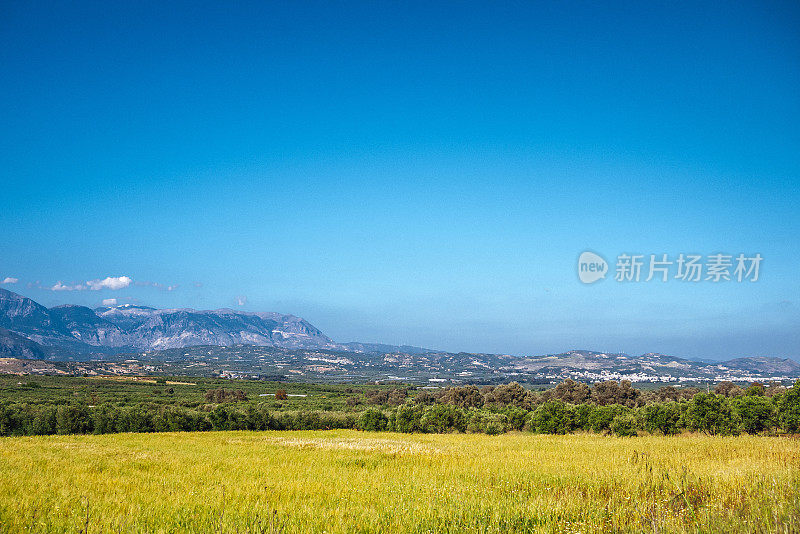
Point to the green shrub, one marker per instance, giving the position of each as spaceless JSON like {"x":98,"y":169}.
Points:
{"x":44,"y":422}
{"x":624,"y":425}
{"x":582,"y":416}
{"x":712,"y":414}
{"x":757,"y":413}
{"x":373,"y":420}
{"x":601,"y":416}
{"x":552,"y":417}
{"x":440,"y":418}
{"x":479,"y":421}
{"x":663,"y":417}
{"x":789,"y":409}
{"x":72,"y":419}
{"x":516,"y":416}
{"x":407,"y":418}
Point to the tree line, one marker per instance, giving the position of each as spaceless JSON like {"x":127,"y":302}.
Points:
{"x":607,"y":407}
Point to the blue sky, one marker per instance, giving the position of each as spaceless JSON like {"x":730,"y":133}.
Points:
{"x":410,"y":173}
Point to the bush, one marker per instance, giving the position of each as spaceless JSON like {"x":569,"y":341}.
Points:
{"x":372,"y":420}
{"x":507,"y":394}
{"x":441,"y":418}
{"x":72,"y":419}
{"x":9,"y":421}
{"x":756,"y":389}
{"x":601,"y":417}
{"x":104,"y":420}
{"x":754,"y":413}
{"x":516,"y":416}
{"x":552,"y":417}
{"x":712,"y":414}
{"x":664,"y":418}
{"x":725,"y":388}
{"x":569,"y":391}
{"x":581,"y":416}
{"x":463,"y":397}
{"x":407,"y":418}
{"x":225,"y":395}
{"x":44,"y":422}
{"x":757,"y":413}
{"x":624,"y":425}
{"x":259,"y":418}
{"x":426,"y":398}
{"x":479,"y":421}
{"x":391,"y":397}
{"x":789,"y":409}
{"x":610,"y":392}
{"x":227,"y":418}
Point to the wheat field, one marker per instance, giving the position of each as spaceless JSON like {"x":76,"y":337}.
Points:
{"x":348,"y":481}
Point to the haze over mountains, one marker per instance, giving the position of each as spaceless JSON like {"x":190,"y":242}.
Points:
{"x":245,"y":343}
{"x":117,"y":329}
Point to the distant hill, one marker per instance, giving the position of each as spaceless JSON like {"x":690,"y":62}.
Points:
{"x":74,"y":329}
{"x":652,"y":367}
{"x":764,"y":364}
{"x":15,"y":345}
{"x":274,"y":344}
{"x":430,"y":368}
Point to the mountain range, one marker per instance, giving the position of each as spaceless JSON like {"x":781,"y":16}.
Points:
{"x":31,"y":330}
{"x":273,"y":344}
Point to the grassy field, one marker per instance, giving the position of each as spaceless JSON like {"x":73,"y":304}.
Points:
{"x":187,"y":391}
{"x":347,"y":481}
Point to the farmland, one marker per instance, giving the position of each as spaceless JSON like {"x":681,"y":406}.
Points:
{"x":184,"y":391}
{"x":94,"y":405}
{"x":92,"y":454}
{"x":348,"y":481}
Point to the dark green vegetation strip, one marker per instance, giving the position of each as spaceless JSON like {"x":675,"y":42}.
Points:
{"x":76,"y":405}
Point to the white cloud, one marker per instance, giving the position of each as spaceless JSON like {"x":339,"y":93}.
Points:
{"x":172,"y":288}
{"x":110,"y":282}
{"x":10,"y":280}
{"x":109,"y":302}
{"x":241,"y":300}
{"x":60,"y":286}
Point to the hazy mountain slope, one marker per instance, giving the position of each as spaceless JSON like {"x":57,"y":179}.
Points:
{"x":86,"y":327}
{"x":77,"y":332}
{"x":764,"y":364}
{"x":173,"y":328}
{"x":121,"y":328}
{"x":16,"y":346}
{"x":23,"y":315}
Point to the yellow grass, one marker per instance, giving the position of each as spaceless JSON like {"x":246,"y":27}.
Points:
{"x":347,"y":481}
